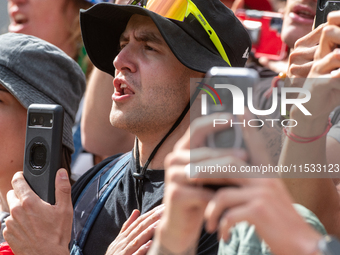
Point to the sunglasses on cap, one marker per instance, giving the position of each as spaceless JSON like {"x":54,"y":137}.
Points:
{"x":179,"y":10}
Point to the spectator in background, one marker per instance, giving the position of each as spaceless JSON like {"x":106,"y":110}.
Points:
{"x":57,"y":21}
{"x":319,"y":194}
{"x":32,"y":71}
{"x":297,"y":29}
{"x":298,"y":18}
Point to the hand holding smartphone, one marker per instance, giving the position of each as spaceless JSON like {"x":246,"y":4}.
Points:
{"x":43,"y":148}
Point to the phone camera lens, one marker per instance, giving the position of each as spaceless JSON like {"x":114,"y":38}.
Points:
{"x":41,"y":120}
{"x":37,"y":120}
{"x":38,"y":156}
{"x":34,"y":120}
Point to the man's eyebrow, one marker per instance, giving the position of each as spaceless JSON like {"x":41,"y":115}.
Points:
{"x":143,"y":36}
{"x":148,"y":37}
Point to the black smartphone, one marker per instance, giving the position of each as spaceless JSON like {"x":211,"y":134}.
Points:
{"x":324,"y":7}
{"x":43,"y":148}
{"x":241,"y":79}
{"x":229,"y":83}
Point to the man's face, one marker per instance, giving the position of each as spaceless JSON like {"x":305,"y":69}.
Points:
{"x":151,"y":85}
{"x":298,"y":20}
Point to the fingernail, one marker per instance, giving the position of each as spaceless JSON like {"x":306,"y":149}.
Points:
{"x":63,"y":174}
{"x":134,"y":211}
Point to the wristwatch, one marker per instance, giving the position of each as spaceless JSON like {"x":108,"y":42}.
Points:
{"x":329,"y":245}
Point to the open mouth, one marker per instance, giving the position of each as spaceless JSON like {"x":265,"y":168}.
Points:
{"x":122,"y":89}
{"x":20,"y":19}
{"x":125,"y":90}
{"x":305,"y":14}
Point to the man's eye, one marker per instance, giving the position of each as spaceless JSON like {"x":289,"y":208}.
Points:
{"x":121,"y":46}
{"x":147,"y":47}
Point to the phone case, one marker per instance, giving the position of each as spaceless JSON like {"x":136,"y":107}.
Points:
{"x":243,"y":78}
{"x":323,"y":8}
{"x":43,"y":148}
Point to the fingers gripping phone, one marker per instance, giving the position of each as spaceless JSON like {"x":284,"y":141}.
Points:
{"x":43,"y":148}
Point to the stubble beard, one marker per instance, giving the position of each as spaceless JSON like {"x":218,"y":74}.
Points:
{"x":164,"y":107}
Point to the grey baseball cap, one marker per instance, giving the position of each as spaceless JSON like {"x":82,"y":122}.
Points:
{"x":35,"y":71}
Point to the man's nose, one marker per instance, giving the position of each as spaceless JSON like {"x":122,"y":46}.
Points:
{"x":126,"y":60}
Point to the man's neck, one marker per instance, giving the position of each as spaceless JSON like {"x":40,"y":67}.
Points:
{"x":148,"y":143}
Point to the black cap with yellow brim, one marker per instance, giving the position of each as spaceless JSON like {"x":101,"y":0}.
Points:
{"x":103,"y":24}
